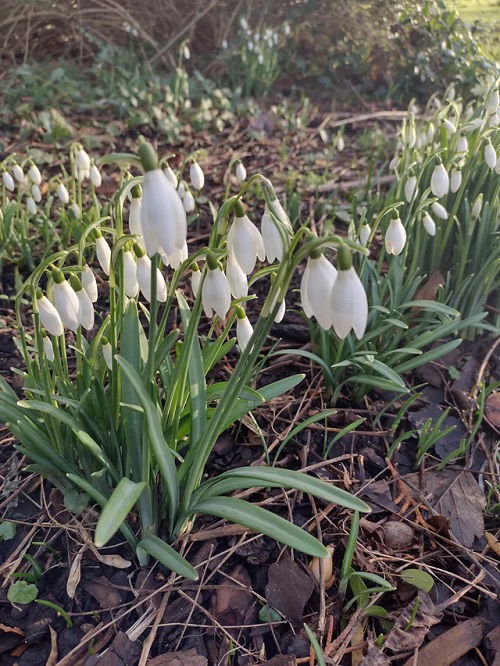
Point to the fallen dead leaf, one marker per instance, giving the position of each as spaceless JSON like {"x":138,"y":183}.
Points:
{"x":323,"y":568}
{"x":429,"y":290}
{"x":11,"y":630}
{"x":358,"y":637}
{"x":231,"y":596}
{"x":184,"y":658}
{"x":402,"y":638}
{"x":288,"y":589}
{"x":493,"y":543}
{"x":492,"y":409}
{"x":281,"y":660}
{"x":113,"y":560}
{"x":74,"y":575}
{"x":52,"y":658}
{"x":375,"y":657}
{"x":103,"y":592}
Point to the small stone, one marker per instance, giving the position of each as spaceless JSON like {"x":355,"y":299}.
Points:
{"x":398,"y":535}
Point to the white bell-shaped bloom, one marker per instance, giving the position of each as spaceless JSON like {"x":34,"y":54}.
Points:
{"x":494,"y":120}
{"x":364,"y":234}
{"x":31,"y":205}
{"x":134,"y":217}
{"x":62,"y":194}
{"x":411,"y":137}
{"x":130,"y":284}
{"x":429,"y":224}
{"x":49,"y":316}
{"x":462,"y":144}
{"x":215,"y":293}
{"x":75,"y":209}
{"x":195,"y":281}
{"x":103,"y":252}
{"x":85,"y":310}
{"x":449,"y":126}
{"x":393,"y":164}
{"x":315,"y":289}
{"x":245,"y":242}
{"x":340,"y":143}
{"x":181,"y":190}
{"x":395,"y":237}
{"x":431,"y":130}
{"x":455,"y":180}
{"x":490,"y":156}
{"x":82,"y":161}
{"x":144,"y":280}
{"x":36,"y":193}
{"x":34,"y":174}
{"x":244,"y":331}
{"x":8,"y":181}
{"x":477,"y":206}
{"x":410,"y":187}
{"x":349,"y":304}
{"x":171,"y":177}
{"x":89,"y":283}
{"x":439,"y":210}
{"x":48,"y":348}
{"x":281,"y":312}
{"x":178,"y":257}
{"x":493,"y":101}
{"x":240,"y":172}
{"x":95,"y":176}
{"x":440,"y":182}
{"x":67,"y":304}
{"x":188,"y":202}
{"x":18,"y":173}
{"x":236,"y":277}
{"x":196,"y":176}
{"x":107,"y":352}
{"x":273,"y":243}
{"x":163,"y":218}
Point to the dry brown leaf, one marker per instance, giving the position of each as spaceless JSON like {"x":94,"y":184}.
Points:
{"x":358,"y":636}
{"x":75,"y":574}
{"x":113,"y":560}
{"x":493,"y":543}
{"x":184,"y":658}
{"x":289,"y":589}
{"x":11,"y":630}
{"x":323,"y":568}
{"x":492,"y":409}
{"x":52,"y":658}
{"x":103,"y":591}
{"x":231,"y":596}
{"x":402,"y":638}
{"x":375,"y":657}
{"x":429,"y":290}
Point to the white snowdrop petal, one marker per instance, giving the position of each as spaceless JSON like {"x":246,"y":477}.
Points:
{"x":48,"y":349}
{"x":281,"y":312}
{"x":440,"y":182}
{"x":429,"y":224}
{"x":171,"y":177}
{"x":49,"y":316}
{"x":130,"y":284}
{"x":236,"y":277}
{"x":322,"y":276}
{"x":365,"y":233}
{"x":196,"y":176}
{"x":304,"y":299}
{"x":395,"y":237}
{"x":455,"y":180}
{"x":35,"y":193}
{"x":103,"y":252}
{"x":86,"y":310}
{"x":410,"y":187}
{"x":490,"y":156}
{"x":144,"y":280}
{"x":240,"y":172}
{"x":244,"y":331}
{"x":162,"y":215}
{"x":349,"y":304}
{"x":107,"y":352}
{"x":62,"y":193}
{"x":439,"y":210}
{"x":31,"y":205}
{"x":95,"y":176}
{"x":245,"y":242}
{"x":8,"y":181}
{"x":18,"y":173}
{"x":89,"y":283}
{"x":67,"y":304}
{"x":195,"y":282}
{"x":188,"y":202}
{"x":216,"y":294}
{"x":273,"y":243}
{"x":75,"y":209}
{"x":34,"y":174}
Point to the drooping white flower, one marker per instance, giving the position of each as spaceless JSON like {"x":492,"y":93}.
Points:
{"x":178,"y":257}
{"x":455,"y":180}
{"x":477,"y":206}
{"x":315,"y":289}
{"x":439,"y":210}
{"x":195,"y":279}
{"x":82,"y":161}
{"x":134,"y":217}
{"x":245,"y":242}
{"x":215,"y":293}
{"x":240,"y":172}
{"x":85,"y":307}
{"x":62,"y":193}
{"x":31,"y":205}
{"x":75,"y":209}
{"x":171,"y":177}
{"x":411,"y":137}
{"x":181,"y":190}
{"x":395,"y":237}
{"x":429,"y":224}
{"x":103,"y":252}
{"x":494,"y":120}
{"x":244,"y":330}
{"x":196,"y":176}
{"x":35,"y":193}
{"x":431,"y":130}
{"x":236,"y":277}
{"x":49,"y":316}
{"x":18,"y":173}
{"x":273,"y":242}
{"x":364,"y":234}
{"x":348,"y":301}
{"x":107,"y":352}
{"x":130,"y":284}
{"x":340,"y":143}
{"x":48,"y":348}
{"x":89,"y":283}
{"x":144,"y":280}
{"x":462,"y":144}
{"x":66,"y":302}
{"x":490,"y":156}
{"x":449,"y":126}
{"x":281,"y":312}
{"x":8,"y":181}
{"x":393,"y":164}
{"x":440,"y":182}
{"x":34,"y":174}
{"x":410,"y":187}
{"x":493,"y":101}
{"x":188,"y":202}
{"x":95,"y":176}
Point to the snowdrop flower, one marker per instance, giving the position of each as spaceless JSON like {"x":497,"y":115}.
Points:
{"x":412,"y":136}
{"x":89,"y":283}
{"x":455,"y":180}
{"x":236,"y":277}
{"x":62,"y":194}
{"x":82,"y":161}
{"x":439,"y":210}
{"x":273,"y":241}
{"x":35,"y":193}
{"x":477,"y":206}
{"x":245,"y":242}
{"x":429,"y":224}
{"x":134,"y":216}
{"x":490,"y":156}
{"x":95,"y":176}
{"x":196,"y":176}
{"x":195,"y":279}
{"x":494,"y":120}
{"x":281,"y":312}
{"x":103,"y":252}
{"x":395,"y":237}
{"x":34,"y":174}
{"x":163,"y":218}
{"x":85,"y":307}
{"x":449,"y":126}
{"x":18,"y":173}
{"x":188,"y":202}
{"x":178,"y":257}
{"x":75,"y":209}
{"x":65,"y":300}
{"x":315,"y":288}
{"x":181,"y":190}
{"x":410,"y":187}
{"x":431,"y":130}
{"x":393,"y":163}
{"x":440,"y":182}
{"x":215,"y":291}
{"x":186,"y":53}
{"x":364,"y":234}
{"x":244,"y":328}
{"x":240,"y":172}
{"x":462,"y":144}
{"x":348,"y":302}
{"x":107,"y":352}
{"x":171,"y":177}
{"x":340,"y":143}
{"x":31,"y":205}
{"x":8,"y":181}
{"x":493,"y":101}
{"x":130,"y":284}
{"x":48,"y":349}
{"x":49,"y":316}
{"x":144,"y":277}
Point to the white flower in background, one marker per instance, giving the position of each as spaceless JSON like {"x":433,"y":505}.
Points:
{"x":477,"y":206}
{"x":421,"y":140}
{"x":455,"y":180}
{"x":95,"y":176}
{"x":107,"y":352}
{"x":273,"y":242}
{"x":236,"y":277}
{"x":31,"y":205}
{"x":134,"y":217}
{"x":215,"y":293}
{"x":62,"y":194}
{"x":48,"y":349}
{"x":431,"y":130}
{"x":395,"y":237}
{"x":186,"y":53}
{"x":411,"y":137}
{"x":474,"y":124}
{"x":244,"y":329}
{"x":195,"y":279}
{"x":35,"y":193}
{"x":130,"y":284}
{"x":315,"y":289}
{"x":85,"y":307}
{"x":8,"y":181}
{"x":429,"y":224}
{"x":171,"y":177}
{"x":34,"y":174}
{"x":66,"y":301}
{"x":103,"y":252}
{"x":440,"y":182}
{"x":281,"y":311}
{"x":49,"y":316}
{"x":494,"y":120}
{"x":348,"y":302}
{"x":181,"y":190}
{"x":245,"y":242}
{"x":364,"y":234}
{"x":188,"y":202}
{"x":490,"y":156}
{"x":89,"y":283}
{"x":18,"y":173}
{"x":449,"y":126}
{"x":493,"y":101}
{"x":410,"y":187}
{"x":75,"y":209}
{"x":178,"y":257}
{"x":82,"y":161}
{"x":196,"y":176}
{"x":240,"y":172}
{"x":439,"y":210}
{"x":144,"y":278}
{"x":163,"y":218}
{"x":340,"y":143}
{"x":393,"y":164}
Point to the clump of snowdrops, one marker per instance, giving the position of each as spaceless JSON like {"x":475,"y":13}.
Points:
{"x":117,"y":410}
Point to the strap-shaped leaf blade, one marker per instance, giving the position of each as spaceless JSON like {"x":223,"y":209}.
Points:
{"x":168,"y":556}
{"x":116,"y":509}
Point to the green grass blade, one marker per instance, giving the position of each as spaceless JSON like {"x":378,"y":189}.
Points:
{"x":169,"y":557}
{"x":116,"y":509}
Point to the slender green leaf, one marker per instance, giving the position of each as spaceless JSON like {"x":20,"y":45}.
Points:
{"x":116,"y":509}
{"x":169,"y":557}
